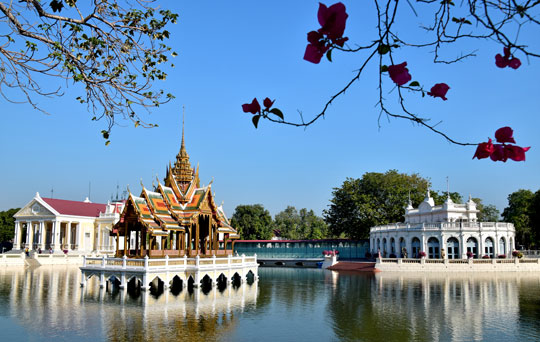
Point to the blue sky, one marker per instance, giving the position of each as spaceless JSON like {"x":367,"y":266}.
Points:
{"x":232,"y":52}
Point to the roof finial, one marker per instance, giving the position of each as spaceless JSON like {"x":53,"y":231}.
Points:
{"x":447,"y":187}
{"x":183,"y":118}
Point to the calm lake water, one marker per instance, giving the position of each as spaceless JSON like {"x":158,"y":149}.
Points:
{"x":47,"y":304}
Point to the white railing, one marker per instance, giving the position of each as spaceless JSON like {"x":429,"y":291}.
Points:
{"x":457,"y":261}
{"x":485,"y":226}
{"x":148,"y":264}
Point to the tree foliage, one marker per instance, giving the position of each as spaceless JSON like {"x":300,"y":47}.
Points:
{"x":113,"y":49}
{"x":295,"y":225}
{"x":487,"y":212}
{"x":7,"y":224}
{"x":518,"y":212}
{"x":253,"y":222}
{"x":375,"y":199}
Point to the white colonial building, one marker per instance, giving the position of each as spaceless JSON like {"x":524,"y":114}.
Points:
{"x":59,"y":225}
{"x":448,"y":231}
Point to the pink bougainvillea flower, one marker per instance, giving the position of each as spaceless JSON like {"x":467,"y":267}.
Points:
{"x":514,"y":63}
{"x":505,"y":135}
{"x":516,"y":153}
{"x":268,"y":103}
{"x":498,"y":153}
{"x":399,"y":73}
{"x":504,"y":61}
{"x":314,"y":54}
{"x":484,"y":150}
{"x":500,"y":61}
{"x":439,"y":90}
{"x":332,"y":20}
{"x":254,"y":107}
{"x":316,"y":48}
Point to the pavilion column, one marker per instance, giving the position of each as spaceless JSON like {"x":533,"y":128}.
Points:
{"x":17,"y":237}
{"x":68,"y":237}
{"x":41,"y":240}
{"x":77,"y":236}
{"x":125,"y":237}
{"x":463,"y":246}
{"x":481,"y":250}
{"x":98,"y":238}
{"x":28,"y":234}
{"x":197,"y":241}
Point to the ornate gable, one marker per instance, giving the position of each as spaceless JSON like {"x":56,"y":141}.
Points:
{"x":34,"y":208}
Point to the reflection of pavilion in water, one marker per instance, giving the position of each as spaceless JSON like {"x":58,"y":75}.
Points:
{"x":467,"y":304}
{"x":52,"y":298}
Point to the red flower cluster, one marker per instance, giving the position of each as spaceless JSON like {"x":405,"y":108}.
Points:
{"x":439,"y":90}
{"x":399,"y":73}
{"x":332,"y":20}
{"x":504,"y":61}
{"x":254,"y":107}
{"x":331,"y":252}
{"x":501,"y":152}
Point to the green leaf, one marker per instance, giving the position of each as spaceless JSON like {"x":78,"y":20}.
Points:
{"x":329,"y":55}
{"x":137,"y":123}
{"x":277,"y":112}
{"x":383,"y":49}
{"x":414,"y":84}
{"x":423,"y":94}
{"x":467,"y":22}
{"x":107,"y":142}
{"x":384,"y":68}
{"x":255,"y":120}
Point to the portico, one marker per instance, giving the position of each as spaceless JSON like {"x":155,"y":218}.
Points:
{"x":61,"y":225}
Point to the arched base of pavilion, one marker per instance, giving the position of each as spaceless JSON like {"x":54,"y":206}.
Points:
{"x":160,"y":274}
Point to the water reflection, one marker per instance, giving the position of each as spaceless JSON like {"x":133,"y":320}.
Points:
{"x":447,"y":307}
{"x":47,"y":303}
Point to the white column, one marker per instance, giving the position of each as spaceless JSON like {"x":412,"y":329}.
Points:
{"x":68,"y":242}
{"x":98,"y":239}
{"x":481,"y":246}
{"x":17,"y":237}
{"x":55,"y":234}
{"x":78,"y":243}
{"x":463,"y":246}
{"x":41,"y":240}
{"x":30,"y":235}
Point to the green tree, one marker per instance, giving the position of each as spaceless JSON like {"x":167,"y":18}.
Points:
{"x":253,"y":222}
{"x":534,"y":214}
{"x":313,"y":226}
{"x":288,"y":224}
{"x":292,"y":224}
{"x":518,"y":212}
{"x":113,"y":50}
{"x":7,"y":224}
{"x":375,"y":199}
{"x":487,"y":212}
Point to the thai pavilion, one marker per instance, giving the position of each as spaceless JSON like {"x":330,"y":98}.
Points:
{"x":450,"y":230}
{"x":175,"y":219}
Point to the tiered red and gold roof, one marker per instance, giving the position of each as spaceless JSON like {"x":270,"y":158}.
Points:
{"x":173,"y":206}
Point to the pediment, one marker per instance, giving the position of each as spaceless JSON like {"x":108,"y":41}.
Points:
{"x":424,"y":207}
{"x":34,"y":208}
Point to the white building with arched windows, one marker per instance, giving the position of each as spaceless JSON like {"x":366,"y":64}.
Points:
{"x":443,"y":231}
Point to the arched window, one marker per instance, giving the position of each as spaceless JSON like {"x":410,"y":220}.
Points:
{"x":433,"y":248}
{"x":378,"y":245}
{"x":472,"y":246}
{"x":384,"y":247}
{"x":453,"y":248}
{"x":502,"y":246}
{"x":489,"y":247}
{"x":392,"y":246}
{"x":415,"y":247}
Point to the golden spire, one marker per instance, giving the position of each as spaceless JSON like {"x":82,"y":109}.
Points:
{"x":182,"y":170}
